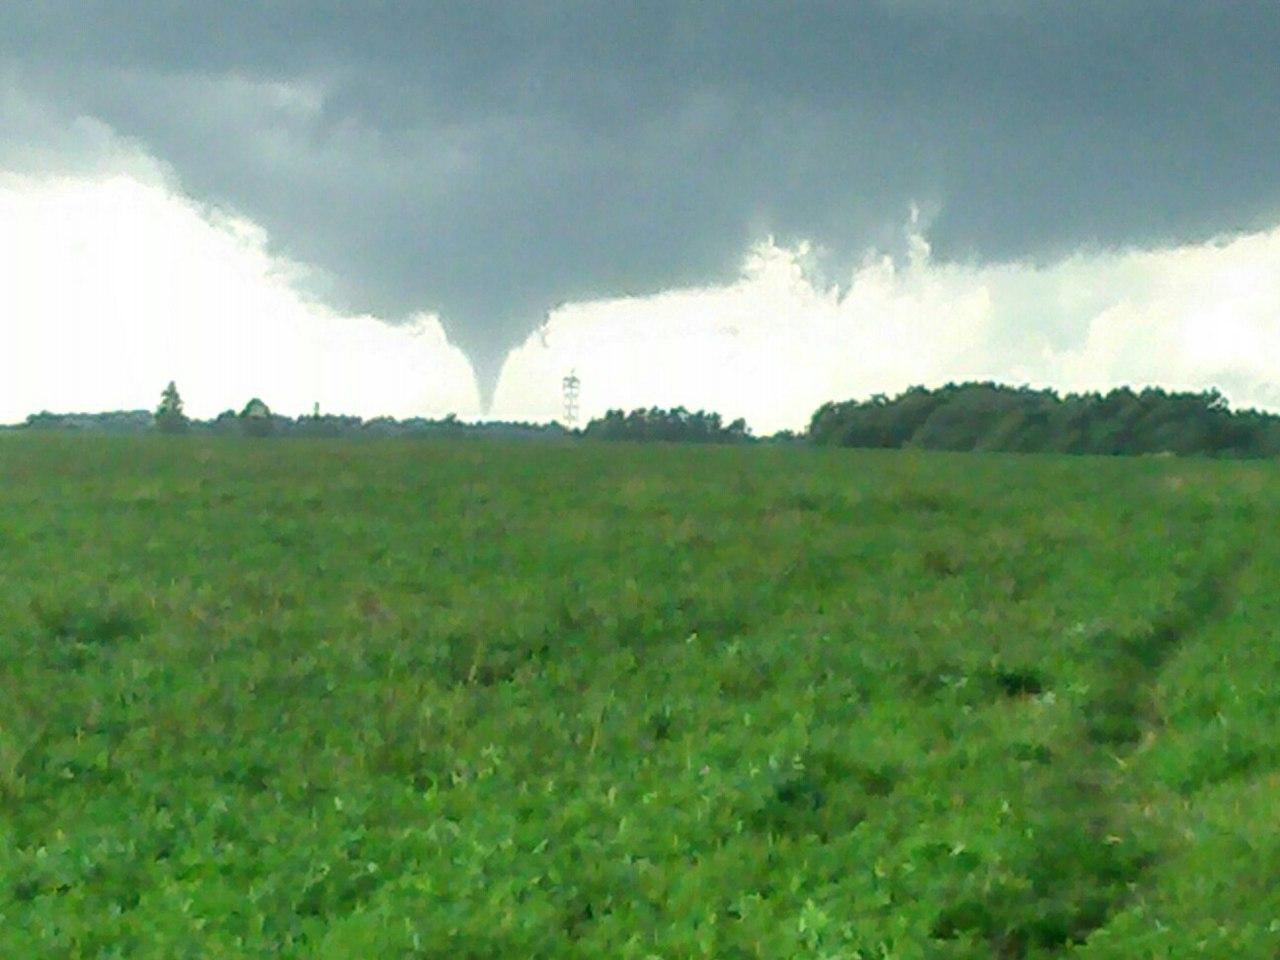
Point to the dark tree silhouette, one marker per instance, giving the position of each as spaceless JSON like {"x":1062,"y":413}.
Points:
{"x":989,"y":416}
{"x":170,"y":417}
{"x":256,"y":419}
{"x":671,"y":425}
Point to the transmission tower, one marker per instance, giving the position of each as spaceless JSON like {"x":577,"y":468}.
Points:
{"x":571,"y":384}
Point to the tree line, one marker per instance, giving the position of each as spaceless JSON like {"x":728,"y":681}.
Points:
{"x":994,"y":417}
{"x":256,"y":419}
{"x":677,"y":424}
{"x":964,"y":416}
{"x":991,"y":416}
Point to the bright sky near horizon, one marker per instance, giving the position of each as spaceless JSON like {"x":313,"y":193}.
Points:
{"x":750,"y":207}
{"x":111,"y":285}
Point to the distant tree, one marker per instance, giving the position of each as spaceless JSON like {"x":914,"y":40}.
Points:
{"x":784,"y":436}
{"x":677,"y":426}
{"x":169,"y":415}
{"x":256,"y":419}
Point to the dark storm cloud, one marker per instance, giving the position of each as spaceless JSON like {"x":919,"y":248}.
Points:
{"x":492,"y":160}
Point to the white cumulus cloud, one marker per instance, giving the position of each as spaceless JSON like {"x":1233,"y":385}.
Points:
{"x":112,"y":286}
{"x":774,"y":346}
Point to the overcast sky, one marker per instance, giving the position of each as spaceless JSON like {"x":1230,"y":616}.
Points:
{"x":753,"y":207}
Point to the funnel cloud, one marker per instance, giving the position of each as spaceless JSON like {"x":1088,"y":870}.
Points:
{"x":489,"y":161}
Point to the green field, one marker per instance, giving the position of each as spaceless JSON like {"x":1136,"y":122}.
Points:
{"x":475,"y":700}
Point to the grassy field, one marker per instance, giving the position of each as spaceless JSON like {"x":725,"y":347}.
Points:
{"x":473,"y":700}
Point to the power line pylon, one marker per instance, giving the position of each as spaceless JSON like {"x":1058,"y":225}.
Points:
{"x":571,"y":383}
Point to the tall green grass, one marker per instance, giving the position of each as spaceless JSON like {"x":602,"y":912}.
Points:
{"x":480,"y":700}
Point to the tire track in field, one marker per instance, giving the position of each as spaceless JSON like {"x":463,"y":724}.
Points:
{"x":1119,"y":714}
{"x":1081,"y":872}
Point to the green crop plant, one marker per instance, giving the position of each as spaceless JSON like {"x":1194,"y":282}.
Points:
{"x":323,"y":699}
